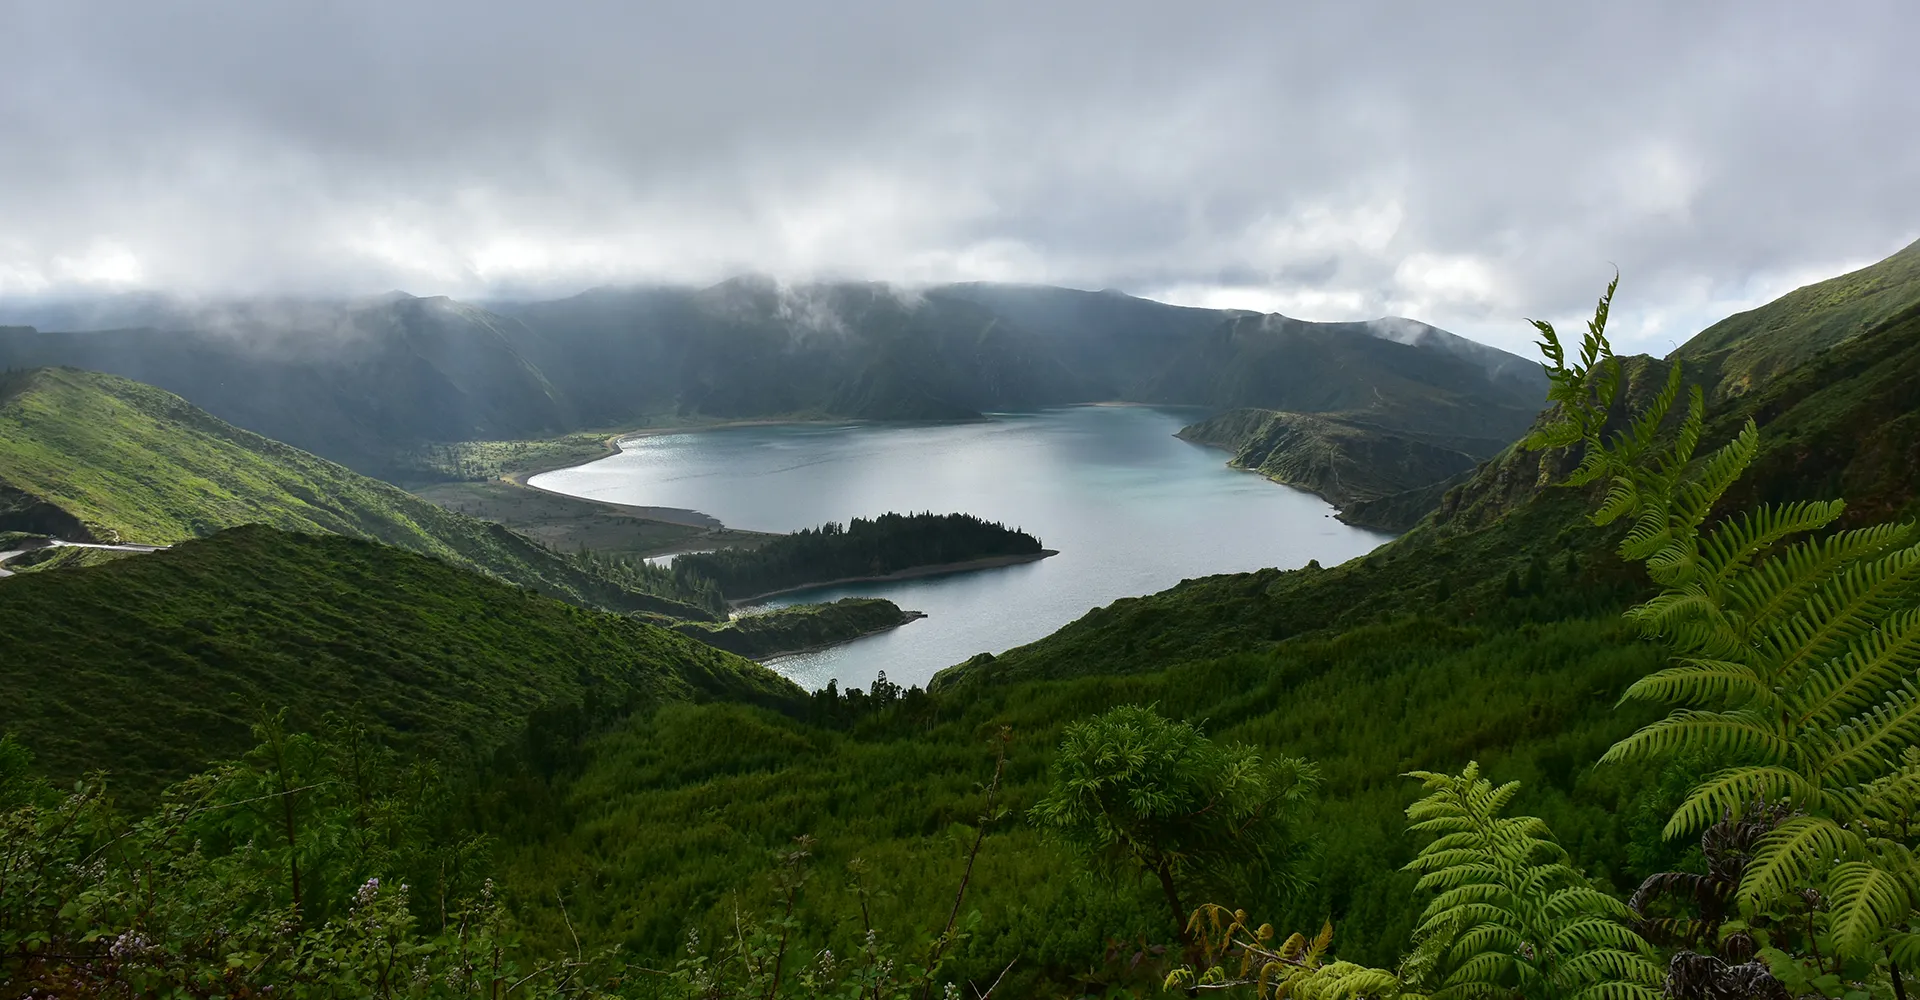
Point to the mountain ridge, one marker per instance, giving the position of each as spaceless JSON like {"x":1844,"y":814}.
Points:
{"x":362,"y":382}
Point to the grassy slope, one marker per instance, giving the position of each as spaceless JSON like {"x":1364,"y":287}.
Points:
{"x":140,"y":464}
{"x":1747,"y":349}
{"x":1339,"y":459}
{"x":666,"y":824}
{"x":155,"y":665}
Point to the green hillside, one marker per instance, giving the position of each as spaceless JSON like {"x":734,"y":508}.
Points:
{"x":1342,"y":460}
{"x":355,"y":382}
{"x":1746,"y":350}
{"x":133,"y":463}
{"x":154,"y":666}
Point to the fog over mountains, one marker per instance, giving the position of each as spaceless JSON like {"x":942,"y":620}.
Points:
{"x":357,"y":380}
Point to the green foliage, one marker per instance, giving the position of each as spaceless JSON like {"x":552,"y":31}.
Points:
{"x":129,"y":462}
{"x":1511,"y":914}
{"x":312,"y":867}
{"x":1237,"y":955}
{"x":1793,"y":655}
{"x":800,"y":627}
{"x":1138,"y":794}
{"x":636,"y":574}
{"x":864,"y":547}
{"x":487,"y":460}
{"x":154,"y":666}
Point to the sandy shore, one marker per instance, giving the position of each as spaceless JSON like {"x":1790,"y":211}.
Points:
{"x":967,"y":566}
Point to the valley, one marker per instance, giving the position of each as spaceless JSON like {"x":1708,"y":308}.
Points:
{"x":494,"y":699}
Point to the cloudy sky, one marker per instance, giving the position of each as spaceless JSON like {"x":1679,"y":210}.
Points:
{"x":1465,"y":164}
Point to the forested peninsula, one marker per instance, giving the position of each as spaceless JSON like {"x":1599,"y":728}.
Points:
{"x":891,"y":546}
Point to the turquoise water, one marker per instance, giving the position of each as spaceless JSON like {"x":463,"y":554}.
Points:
{"x":1131,"y":508}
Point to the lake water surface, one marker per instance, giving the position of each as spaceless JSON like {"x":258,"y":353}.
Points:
{"x":1131,"y":508}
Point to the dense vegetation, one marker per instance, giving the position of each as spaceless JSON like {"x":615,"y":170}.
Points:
{"x":863,"y":547}
{"x":117,"y":460}
{"x":388,"y":386}
{"x":801,"y":627}
{"x":951,"y":838}
{"x":155,"y":666}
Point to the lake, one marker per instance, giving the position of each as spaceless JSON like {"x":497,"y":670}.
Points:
{"x":1132,"y":509}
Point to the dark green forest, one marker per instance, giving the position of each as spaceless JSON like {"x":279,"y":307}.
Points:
{"x":863,"y":547}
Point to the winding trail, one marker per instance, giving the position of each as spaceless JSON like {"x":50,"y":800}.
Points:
{"x":55,"y":543}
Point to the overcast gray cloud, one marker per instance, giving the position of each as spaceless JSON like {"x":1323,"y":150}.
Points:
{"x":1463,"y":164}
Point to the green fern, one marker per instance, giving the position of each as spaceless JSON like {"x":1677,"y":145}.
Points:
{"x":1795,"y":653}
{"x":1511,"y":916}
{"x":1236,"y":955}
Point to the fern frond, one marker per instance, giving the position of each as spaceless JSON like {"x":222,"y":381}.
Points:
{"x":1466,"y":915}
{"x":1876,"y":662}
{"x":1697,"y":496}
{"x":1581,"y":900}
{"x":1736,"y":540}
{"x":1796,"y":853}
{"x":1841,"y":608}
{"x":1620,"y":991}
{"x":1486,"y":968}
{"x":1487,"y":937}
{"x":1869,"y":744}
{"x":1347,"y":981}
{"x":1729,"y":732}
{"x":1777,"y":588}
{"x":1628,"y":965}
{"x":1728,"y":791}
{"x":1865,"y":902}
{"x":1702,"y":682}
{"x":1585,"y":935}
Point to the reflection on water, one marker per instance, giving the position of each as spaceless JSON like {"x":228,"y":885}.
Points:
{"x":1131,"y":508}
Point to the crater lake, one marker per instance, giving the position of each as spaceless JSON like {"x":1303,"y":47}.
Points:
{"x":1131,"y":509}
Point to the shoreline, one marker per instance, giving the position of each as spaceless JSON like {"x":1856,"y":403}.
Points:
{"x":671,"y":515}
{"x":911,"y":573}
{"x":906,"y":618}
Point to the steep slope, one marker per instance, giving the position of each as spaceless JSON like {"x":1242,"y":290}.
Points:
{"x":1342,"y":460}
{"x":153,"y":666}
{"x":349,"y":382}
{"x":1114,"y":340}
{"x":1276,"y":363}
{"x":1745,"y":350}
{"x":99,"y":457}
{"x":753,"y":347}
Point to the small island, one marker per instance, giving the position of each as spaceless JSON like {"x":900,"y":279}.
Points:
{"x":780,"y":631}
{"x":889,"y":547}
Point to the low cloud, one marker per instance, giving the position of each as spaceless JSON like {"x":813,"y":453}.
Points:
{"x":1466,"y":167}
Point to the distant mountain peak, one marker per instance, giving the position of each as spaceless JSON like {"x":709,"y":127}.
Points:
{"x":1401,"y":330}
